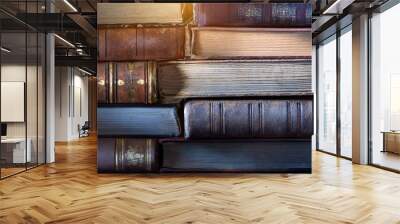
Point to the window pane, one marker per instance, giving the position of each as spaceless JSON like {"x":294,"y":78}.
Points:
{"x":327,"y":96}
{"x":385,"y":84}
{"x":346,"y":94}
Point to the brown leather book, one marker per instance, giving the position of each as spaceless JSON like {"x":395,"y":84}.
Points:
{"x":225,"y":43}
{"x":141,"y":43}
{"x":253,"y":14}
{"x":239,"y":118}
{"x":178,"y":80}
{"x":143,"y":13}
{"x":127,"y":155}
{"x":122,"y":82}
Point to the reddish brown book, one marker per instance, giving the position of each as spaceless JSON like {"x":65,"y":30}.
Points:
{"x":126,"y":82}
{"x":141,"y":43}
{"x":225,"y":43}
{"x":144,"y":13}
{"x":253,"y":14}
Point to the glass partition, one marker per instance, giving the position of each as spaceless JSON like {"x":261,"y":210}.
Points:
{"x":22,"y":77}
{"x":14,"y":153}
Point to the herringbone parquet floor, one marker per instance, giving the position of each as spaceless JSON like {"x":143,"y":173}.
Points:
{"x":70,"y":191}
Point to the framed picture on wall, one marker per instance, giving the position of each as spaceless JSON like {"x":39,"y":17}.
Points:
{"x":12,"y":101}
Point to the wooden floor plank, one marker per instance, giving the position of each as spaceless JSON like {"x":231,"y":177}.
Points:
{"x":71,"y":191}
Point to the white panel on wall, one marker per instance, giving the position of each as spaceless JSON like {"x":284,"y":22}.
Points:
{"x":12,"y":101}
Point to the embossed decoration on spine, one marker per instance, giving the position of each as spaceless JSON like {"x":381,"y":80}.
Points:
{"x":135,"y":155}
{"x":253,"y":15}
{"x":111,"y":81}
{"x":283,"y":13}
{"x":141,"y":43}
{"x":275,"y":118}
{"x":132,"y":82}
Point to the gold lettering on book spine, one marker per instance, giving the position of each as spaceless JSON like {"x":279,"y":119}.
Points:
{"x":111,"y":83}
{"x":133,"y":154}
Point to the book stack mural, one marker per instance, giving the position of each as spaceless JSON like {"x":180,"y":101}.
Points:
{"x":243,"y":65}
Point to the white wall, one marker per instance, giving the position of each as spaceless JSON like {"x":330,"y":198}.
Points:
{"x":17,"y":73}
{"x":71,"y":103}
{"x":33,"y":126}
{"x":62,"y":82}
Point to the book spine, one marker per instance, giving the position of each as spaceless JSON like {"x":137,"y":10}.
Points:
{"x":133,"y":82}
{"x":141,"y":43}
{"x":227,"y":119}
{"x":137,"y":121}
{"x":253,"y":15}
{"x":127,"y":155}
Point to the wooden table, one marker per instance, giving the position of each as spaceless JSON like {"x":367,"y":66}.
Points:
{"x":391,"y":141}
{"x":16,"y":148}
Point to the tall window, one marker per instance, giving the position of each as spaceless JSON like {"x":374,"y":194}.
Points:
{"x":346,"y":92}
{"x":385,"y":88}
{"x":327,"y":95}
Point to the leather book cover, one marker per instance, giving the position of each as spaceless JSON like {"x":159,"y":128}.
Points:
{"x":226,"y":43}
{"x":253,"y":14}
{"x":242,"y":155}
{"x":230,"y":119}
{"x":141,"y":43}
{"x":133,"y":82}
{"x":102,"y":83}
{"x":138,"y":121}
{"x":178,"y":80}
{"x":127,"y":155}
{"x":144,"y":13}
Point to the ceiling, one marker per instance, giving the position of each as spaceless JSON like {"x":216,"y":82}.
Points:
{"x":74,"y":22}
{"x":332,"y":15}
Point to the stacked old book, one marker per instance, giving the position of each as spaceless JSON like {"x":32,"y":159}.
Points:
{"x":132,"y":38}
{"x":152,"y":58}
{"x":242,"y":49}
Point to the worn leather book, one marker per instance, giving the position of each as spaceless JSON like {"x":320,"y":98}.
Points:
{"x":217,"y":78}
{"x":141,"y":43}
{"x":143,"y":13}
{"x":253,"y":14}
{"x":127,"y":155}
{"x":133,"y":82}
{"x":225,"y":42}
{"x":138,"y":121}
{"x":268,"y":118}
{"x":288,"y":156}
